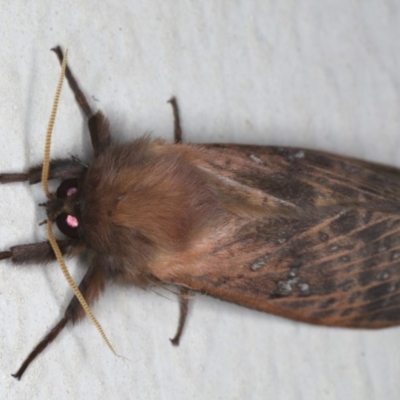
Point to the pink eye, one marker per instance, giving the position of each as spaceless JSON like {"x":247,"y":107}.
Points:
{"x":67,"y":188}
{"x":72,"y":221}
{"x":71,"y":191}
{"x":68,"y":225}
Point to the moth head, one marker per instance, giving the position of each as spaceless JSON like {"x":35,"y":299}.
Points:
{"x":64,"y":208}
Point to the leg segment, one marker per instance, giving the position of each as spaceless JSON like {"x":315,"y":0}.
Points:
{"x":66,"y":168}
{"x":184,"y":305}
{"x":91,"y":287}
{"x":177,"y":120}
{"x":73,"y":84}
{"x":99,"y":128}
{"x":41,"y":253}
{"x":100,"y":134}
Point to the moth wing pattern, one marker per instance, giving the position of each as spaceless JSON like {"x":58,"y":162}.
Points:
{"x":329,"y":251}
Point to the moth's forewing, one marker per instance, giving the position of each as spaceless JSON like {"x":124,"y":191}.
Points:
{"x":327,"y":250}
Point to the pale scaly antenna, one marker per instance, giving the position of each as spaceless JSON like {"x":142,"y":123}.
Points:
{"x":52,"y":240}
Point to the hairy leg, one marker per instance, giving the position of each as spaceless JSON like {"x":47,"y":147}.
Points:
{"x":184,"y":305}
{"x":177,"y":120}
{"x":41,"y":253}
{"x":99,"y":128}
{"x":66,"y":168}
{"x":91,"y":287}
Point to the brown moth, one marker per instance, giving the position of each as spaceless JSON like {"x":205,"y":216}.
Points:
{"x":299,"y":233}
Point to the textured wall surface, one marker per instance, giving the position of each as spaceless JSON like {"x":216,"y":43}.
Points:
{"x":313,"y":74}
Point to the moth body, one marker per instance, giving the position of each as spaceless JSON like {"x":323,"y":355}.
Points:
{"x":300,"y":233}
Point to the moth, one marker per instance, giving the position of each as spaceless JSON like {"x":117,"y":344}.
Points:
{"x":302,"y":234}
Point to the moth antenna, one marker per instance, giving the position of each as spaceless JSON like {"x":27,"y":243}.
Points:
{"x":49,"y":195}
{"x":74,"y":287}
{"x":50,"y":126}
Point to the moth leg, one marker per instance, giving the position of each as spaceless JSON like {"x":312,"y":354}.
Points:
{"x":99,"y":127}
{"x":91,"y":286}
{"x":177,"y":120}
{"x":41,"y":253}
{"x":73,"y":84}
{"x":100,"y":133}
{"x":184,"y":305}
{"x":65,"y":168}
